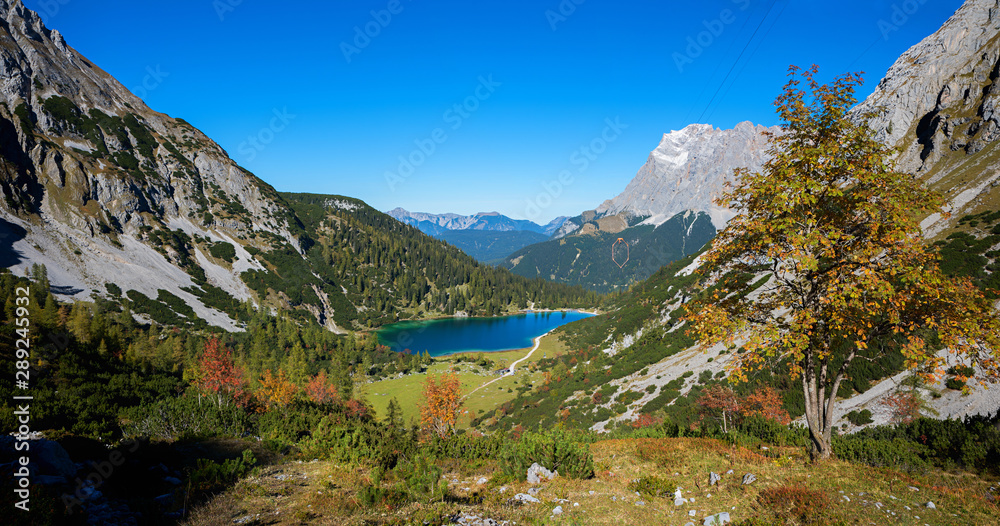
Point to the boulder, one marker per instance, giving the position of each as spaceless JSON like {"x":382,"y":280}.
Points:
{"x":538,"y":474}
{"x":524,"y":497}
{"x":713,"y":478}
{"x":716,"y":520}
{"x":749,"y":478}
{"x":52,"y":459}
{"x":678,"y":499}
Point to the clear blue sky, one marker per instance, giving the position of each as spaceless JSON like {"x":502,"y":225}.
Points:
{"x":555,"y":69}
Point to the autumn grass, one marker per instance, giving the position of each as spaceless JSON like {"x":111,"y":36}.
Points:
{"x":326,"y":493}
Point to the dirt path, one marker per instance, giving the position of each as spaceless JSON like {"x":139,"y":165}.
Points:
{"x":510,"y":372}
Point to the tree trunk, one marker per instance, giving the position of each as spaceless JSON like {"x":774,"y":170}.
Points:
{"x":820,"y":427}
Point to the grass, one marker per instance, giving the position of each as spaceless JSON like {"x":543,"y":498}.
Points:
{"x":325,"y":493}
{"x":407,"y":390}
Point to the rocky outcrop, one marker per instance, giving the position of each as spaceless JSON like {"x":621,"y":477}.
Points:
{"x":688,"y":171}
{"x":938,"y":104}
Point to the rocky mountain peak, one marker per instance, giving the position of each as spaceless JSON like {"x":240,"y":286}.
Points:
{"x":688,"y":171}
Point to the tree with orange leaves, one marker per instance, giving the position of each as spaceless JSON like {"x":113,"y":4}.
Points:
{"x":219,"y":376}
{"x":276,"y":391}
{"x":765,"y":403}
{"x":836,"y":227}
{"x":905,"y":406}
{"x":321,"y":390}
{"x":442,"y":404}
{"x":720,"y":402}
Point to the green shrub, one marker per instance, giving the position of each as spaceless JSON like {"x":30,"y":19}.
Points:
{"x":556,"y":450}
{"x":210,"y":477}
{"x":897,"y":453}
{"x":187,"y":416}
{"x":961,"y":370}
{"x":860,"y":418}
{"x":421,"y":480}
{"x":224,"y":251}
{"x":954,"y":383}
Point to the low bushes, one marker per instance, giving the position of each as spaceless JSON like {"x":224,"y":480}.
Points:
{"x":555,"y":450}
{"x":794,"y":504}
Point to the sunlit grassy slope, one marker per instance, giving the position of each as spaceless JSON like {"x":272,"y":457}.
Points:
{"x":834,"y":492}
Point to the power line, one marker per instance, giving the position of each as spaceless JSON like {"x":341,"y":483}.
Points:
{"x":718,"y":64}
{"x":761,"y":23}
{"x":754,"y":52}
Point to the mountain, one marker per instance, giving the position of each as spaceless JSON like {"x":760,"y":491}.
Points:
{"x":486,"y":236}
{"x":119,"y":201}
{"x":584,"y":258}
{"x":688,"y":170}
{"x":490,"y":246}
{"x":666,"y":212}
{"x":493,"y":221}
{"x":938,"y":104}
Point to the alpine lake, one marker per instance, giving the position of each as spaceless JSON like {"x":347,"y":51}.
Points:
{"x":464,"y":334}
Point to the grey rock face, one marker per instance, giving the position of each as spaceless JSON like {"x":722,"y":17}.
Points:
{"x":90,"y":170}
{"x":688,"y":171}
{"x":919,"y":103}
{"x":938,"y":103}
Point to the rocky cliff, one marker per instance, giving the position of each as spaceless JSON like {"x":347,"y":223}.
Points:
{"x":93,"y":179}
{"x":688,"y":171}
{"x":938,"y":104}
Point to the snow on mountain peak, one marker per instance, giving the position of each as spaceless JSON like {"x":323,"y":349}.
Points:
{"x":688,"y":171}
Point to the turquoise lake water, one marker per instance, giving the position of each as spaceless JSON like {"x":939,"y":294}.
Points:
{"x":451,"y":335}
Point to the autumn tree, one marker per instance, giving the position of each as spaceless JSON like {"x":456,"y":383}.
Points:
{"x":321,"y":389}
{"x":765,"y":402}
{"x":834,"y":224}
{"x":276,"y":391}
{"x":719,"y":402}
{"x":442,"y":403}
{"x":904,"y":406}
{"x":217,"y":375}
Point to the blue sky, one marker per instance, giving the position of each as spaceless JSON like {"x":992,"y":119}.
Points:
{"x":531,"y":108}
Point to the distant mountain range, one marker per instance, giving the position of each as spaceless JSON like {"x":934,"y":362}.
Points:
{"x":486,"y":236}
{"x":494,"y":221}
